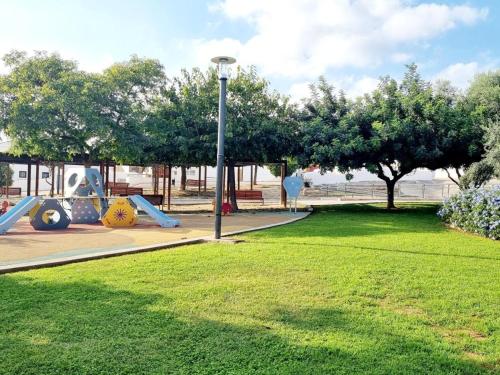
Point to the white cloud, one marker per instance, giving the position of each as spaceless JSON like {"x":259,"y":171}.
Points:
{"x":362,"y":86}
{"x":205,"y":50}
{"x":461,"y":74}
{"x":351,"y":85}
{"x":305,"y":38}
{"x":428,"y":20}
{"x":299,"y":91}
{"x":401,"y":57}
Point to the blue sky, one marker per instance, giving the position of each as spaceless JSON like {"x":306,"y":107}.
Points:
{"x":291,"y":42}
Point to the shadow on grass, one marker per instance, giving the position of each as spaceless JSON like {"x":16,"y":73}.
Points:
{"x":90,"y":328}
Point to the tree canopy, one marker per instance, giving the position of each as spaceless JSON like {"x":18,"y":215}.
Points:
{"x":390,"y":132}
{"x":132,"y":113}
{"x":49,"y":108}
{"x":261,"y":124}
{"x":183,"y":125}
{"x":461,"y":139}
{"x":130,"y":90}
{"x":483,"y":98}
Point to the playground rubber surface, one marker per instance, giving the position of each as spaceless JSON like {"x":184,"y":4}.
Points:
{"x":22,"y":245}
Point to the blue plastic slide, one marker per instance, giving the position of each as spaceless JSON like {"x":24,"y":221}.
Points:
{"x":8,"y":219}
{"x":165,"y":221}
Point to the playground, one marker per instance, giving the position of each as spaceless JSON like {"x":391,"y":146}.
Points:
{"x":87,"y":224}
{"x":25,"y":246}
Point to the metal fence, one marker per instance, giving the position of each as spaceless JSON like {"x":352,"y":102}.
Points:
{"x":413,"y":190}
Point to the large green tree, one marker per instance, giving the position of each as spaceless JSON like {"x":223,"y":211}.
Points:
{"x":183,"y":127}
{"x":261,"y":124}
{"x":130,"y":92}
{"x":483,"y":100}
{"x":292,"y":167}
{"x":390,"y":132}
{"x":460,"y":138}
{"x":52,"y":110}
{"x":49,"y":108}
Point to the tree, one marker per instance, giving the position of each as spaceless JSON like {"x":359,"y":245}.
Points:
{"x":292,"y":166}
{"x":259,"y":129}
{"x":130,"y":92}
{"x":184,"y":124}
{"x":461,"y":140}
{"x":197,"y":125}
{"x":477,"y":175}
{"x":483,"y":98}
{"x":261,"y":124}
{"x":390,"y":132}
{"x":48,"y":108}
{"x":492,"y":137}
{"x":6,"y":174}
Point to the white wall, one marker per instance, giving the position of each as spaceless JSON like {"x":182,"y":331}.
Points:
{"x":363,"y":175}
{"x":44,"y":183}
{"x":18,"y":181}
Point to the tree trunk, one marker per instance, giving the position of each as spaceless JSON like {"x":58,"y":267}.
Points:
{"x":390,"y":194}
{"x":391,"y":183}
{"x":153,"y":178}
{"x":232,"y":187}
{"x":58,"y":179}
{"x":182,"y":185}
{"x":457,"y":182}
{"x":52,"y":179}
{"x":255,"y":175}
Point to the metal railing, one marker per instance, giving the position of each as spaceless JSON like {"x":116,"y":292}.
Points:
{"x":414,"y":190}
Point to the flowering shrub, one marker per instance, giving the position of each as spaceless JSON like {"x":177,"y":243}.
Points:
{"x":474,"y":210}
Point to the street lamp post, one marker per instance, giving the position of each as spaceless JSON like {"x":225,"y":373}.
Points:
{"x":222,"y":63}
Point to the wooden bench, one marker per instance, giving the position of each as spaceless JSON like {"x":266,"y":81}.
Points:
{"x":124,"y":191}
{"x":154,"y":199}
{"x":118,"y":184}
{"x":250,"y":195}
{"x":190,"y":182}
{"x":10,"y":191}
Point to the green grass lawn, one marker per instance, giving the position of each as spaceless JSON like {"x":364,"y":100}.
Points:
{"x":351,"y":289}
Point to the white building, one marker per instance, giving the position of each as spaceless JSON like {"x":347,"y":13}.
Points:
{"x":422,"y":175}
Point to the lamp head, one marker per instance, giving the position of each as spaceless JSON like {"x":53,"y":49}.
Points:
{"x":222,"y":64}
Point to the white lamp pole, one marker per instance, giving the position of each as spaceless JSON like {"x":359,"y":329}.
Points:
{"x":222,"y":63}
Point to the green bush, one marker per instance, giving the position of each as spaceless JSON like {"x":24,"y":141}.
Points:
{"x":477,"y":175}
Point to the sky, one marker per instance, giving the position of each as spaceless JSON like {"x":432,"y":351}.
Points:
{"x":291,"y":42}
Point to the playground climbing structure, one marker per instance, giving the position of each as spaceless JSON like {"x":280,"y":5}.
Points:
{"x":84,"y":203}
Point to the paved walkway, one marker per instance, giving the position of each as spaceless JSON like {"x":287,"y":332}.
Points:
{"x":23,"y":247}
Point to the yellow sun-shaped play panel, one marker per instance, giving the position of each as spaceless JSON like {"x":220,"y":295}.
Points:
{"x":120,"y":214}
